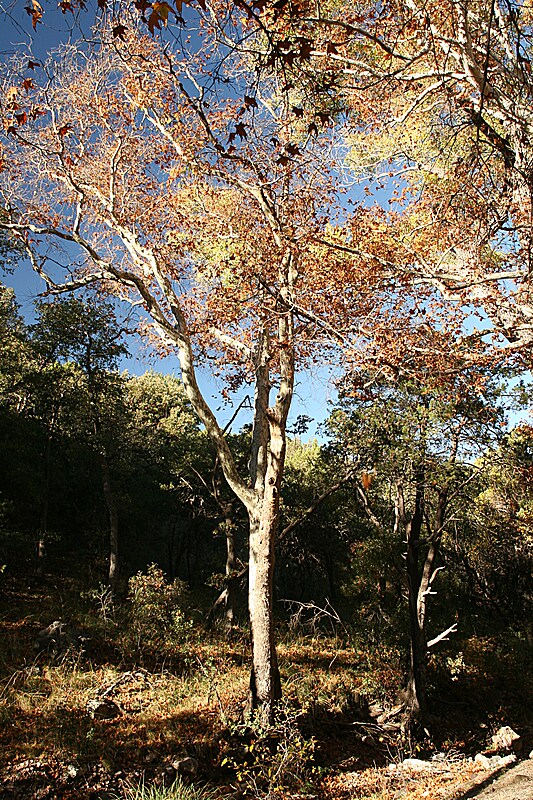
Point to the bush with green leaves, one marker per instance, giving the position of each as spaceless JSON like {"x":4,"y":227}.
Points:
{"x":157,"y":617}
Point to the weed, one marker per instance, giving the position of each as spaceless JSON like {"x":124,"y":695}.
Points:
{"x":103,"y":600}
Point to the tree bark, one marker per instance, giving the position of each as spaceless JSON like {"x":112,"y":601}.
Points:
{"x":265,"y":683}
{"x":231,"y":564}
{"x":419,"y":589}
{"x":415,"y":690}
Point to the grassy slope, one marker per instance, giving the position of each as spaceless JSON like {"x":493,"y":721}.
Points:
{"x":185,"y":699}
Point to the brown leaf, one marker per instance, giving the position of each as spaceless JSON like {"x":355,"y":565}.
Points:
{"x":306,"y":47}
{"x":65,"y":5}
{"x":35,"y":10}
{"x":159,"y":16}
{"x":240,"y":130}
{"x":119,"y":31}
{"x":64,"y":129}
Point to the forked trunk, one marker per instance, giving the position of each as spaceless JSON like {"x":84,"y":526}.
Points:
{"x":415,"y":687}
{"x":419,"y":587}
{"x":415,"y":690}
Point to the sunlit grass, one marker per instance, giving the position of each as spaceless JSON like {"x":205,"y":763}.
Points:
{"x":188,"y":699}
{"x":177,"y":791}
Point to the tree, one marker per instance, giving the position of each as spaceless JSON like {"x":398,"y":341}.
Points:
{"x":410,"y":443}
{"x":164,"y":455}
{"x":14,"y":352}
{"x":454,"y":148}
{"x":204,"y":204}
{"x":494,"y":553}
{"x":212,"y":237}
{"x":89,"y":337}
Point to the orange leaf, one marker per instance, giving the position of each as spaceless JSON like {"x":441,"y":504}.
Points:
{"x":35,"y":10}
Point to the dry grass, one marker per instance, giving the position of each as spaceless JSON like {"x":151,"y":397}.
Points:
{"x":187,"y":700}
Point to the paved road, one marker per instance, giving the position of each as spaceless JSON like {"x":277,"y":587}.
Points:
{"x":515,"y":783}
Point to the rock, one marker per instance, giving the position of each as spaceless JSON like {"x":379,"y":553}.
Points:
{"x":168,"y":777}
{"x":416,"y":765}
{"x":103,"y":709}
{"x":186,"y":767}
{"x":506,"y":760}
{"x":531,"y":754}
{"x":494,"y":762}
{"x":72,"y":771}
{"x":57,"y":639}
{"x":375,"y":710}
{"x":483,"y":761}
{"x":507,"y":739}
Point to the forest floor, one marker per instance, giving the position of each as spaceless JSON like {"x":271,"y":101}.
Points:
{"x":95,"y":719}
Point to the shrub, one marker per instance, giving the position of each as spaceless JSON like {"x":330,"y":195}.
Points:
{"x":156,"y":609}
{"x":274,"y":759}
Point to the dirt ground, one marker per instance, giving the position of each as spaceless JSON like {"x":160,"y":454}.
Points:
{"x":516,"y":783}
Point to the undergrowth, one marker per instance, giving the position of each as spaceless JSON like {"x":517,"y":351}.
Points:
{"x":183,"y":696}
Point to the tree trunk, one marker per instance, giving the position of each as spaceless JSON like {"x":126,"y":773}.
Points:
{"x":231,"y":565}
{"x":415,"y":690}
{"x":113,"y":521}
{"x":265,"y":684}
{"x":40,"y":548}
{"x":419,"y":587}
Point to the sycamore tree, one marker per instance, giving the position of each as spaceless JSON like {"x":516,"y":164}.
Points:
{"x":140,"y":166}
{"x":436,"y":99}
{"x":494,"y":554}
{"x":436,"y":95}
